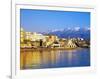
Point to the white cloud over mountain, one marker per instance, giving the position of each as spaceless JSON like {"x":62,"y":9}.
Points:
{"x":71,"y":29}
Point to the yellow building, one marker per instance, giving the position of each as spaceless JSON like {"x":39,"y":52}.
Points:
{"x":53,"y":38}
{"x":50,"y":39}
{"x":28,"y":36}
{"x":37,"y":37}
{"x":71,"y":44}
{"x":22,"y":35}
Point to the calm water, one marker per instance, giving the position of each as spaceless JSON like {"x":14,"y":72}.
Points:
{"x":54,"y":59}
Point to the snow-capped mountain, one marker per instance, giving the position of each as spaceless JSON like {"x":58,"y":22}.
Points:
{"x":72,"y":32}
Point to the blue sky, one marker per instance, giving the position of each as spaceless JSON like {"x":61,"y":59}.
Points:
{"x":45,"y":20}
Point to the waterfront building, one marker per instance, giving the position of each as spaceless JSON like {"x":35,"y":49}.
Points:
{"x":56,"y":44}
{"x":37,"y":37}
{"x":22,"y":35}
{"x":35,"y":43}
{"x":62,"y":42}
{"x":50,"y":39}
{"x":28,"y":36}
{"x":53,"y":38}
{"x":70,"y":44}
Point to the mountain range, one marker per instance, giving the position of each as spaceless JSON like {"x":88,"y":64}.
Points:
{"x":71,"y":32}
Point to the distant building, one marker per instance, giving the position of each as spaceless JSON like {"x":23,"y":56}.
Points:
{"x":27,"y":36}
{"x":70,"y":44}
{"x":35,"y":43}
{"x":22,"y":35}
{"x":50,"y":39}
{"x":56,"y":44}
{"x":62,"y":42}
{"x":37,"y":37}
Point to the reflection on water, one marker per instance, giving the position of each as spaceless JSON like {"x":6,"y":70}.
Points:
{"x":54,"y":58}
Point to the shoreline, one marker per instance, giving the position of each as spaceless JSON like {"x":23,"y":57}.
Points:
{"x":41,"y":49}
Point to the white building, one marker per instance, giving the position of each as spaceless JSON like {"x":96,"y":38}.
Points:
{"x":37,"y":37}
{"x":22,"y":35}
{"x":70,"y":44}
{"x":27,"y":35}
